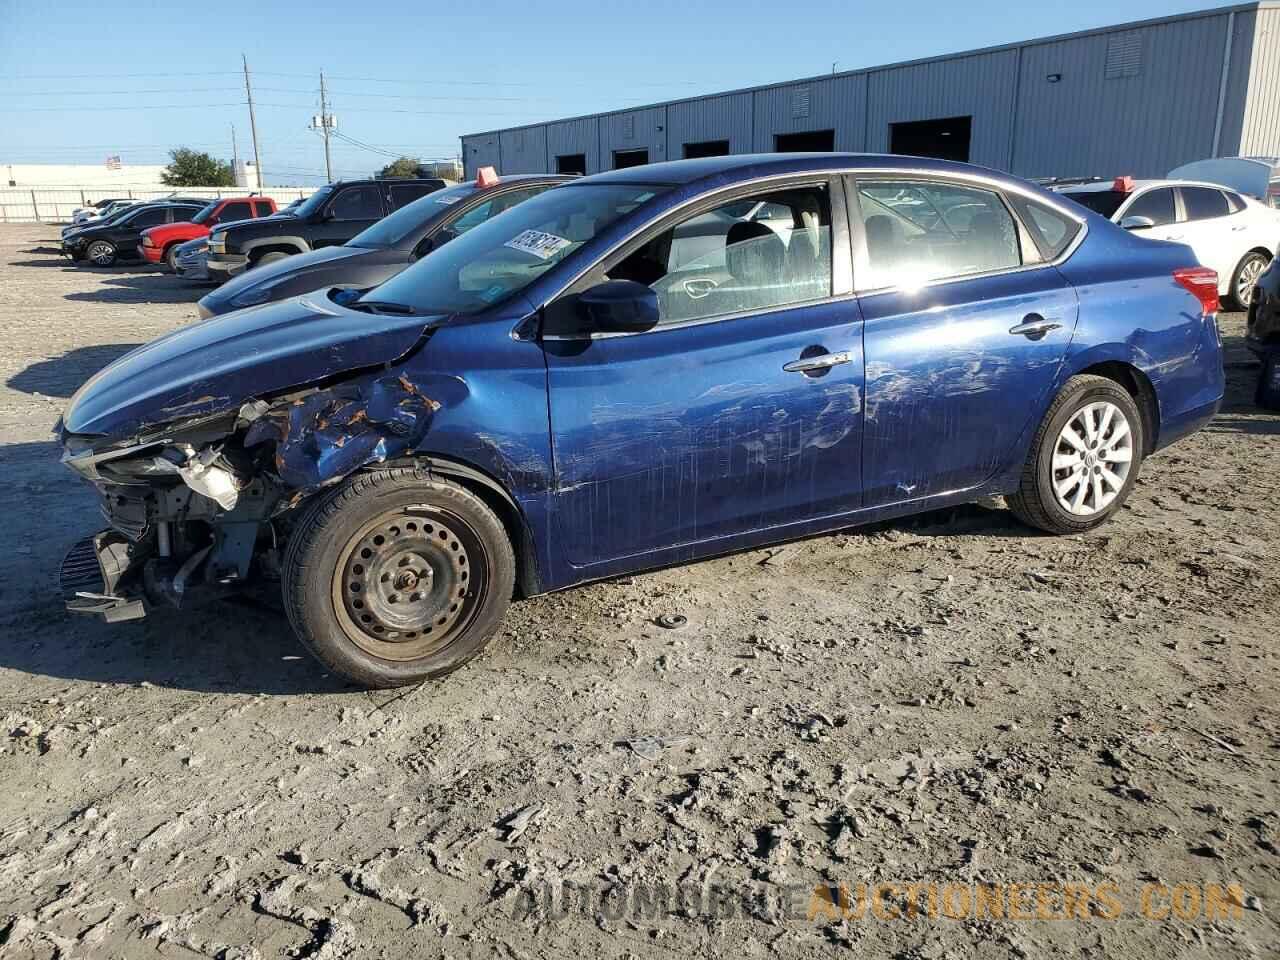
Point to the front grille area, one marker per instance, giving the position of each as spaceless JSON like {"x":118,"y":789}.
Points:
{"x":80,"y":571}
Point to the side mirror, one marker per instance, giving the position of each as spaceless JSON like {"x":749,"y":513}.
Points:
{"x":1137,"y":223}
{"x":620,"y":306}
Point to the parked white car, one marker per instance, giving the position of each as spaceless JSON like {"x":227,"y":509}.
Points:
{"x":85,"y":215}
{"x":1231,"y":232}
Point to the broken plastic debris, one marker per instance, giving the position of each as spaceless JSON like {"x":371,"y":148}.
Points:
{"x":520,"y":821}
{"x":216,"y":483}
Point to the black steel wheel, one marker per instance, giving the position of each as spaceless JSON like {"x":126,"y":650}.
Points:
{"x":394,"y":578}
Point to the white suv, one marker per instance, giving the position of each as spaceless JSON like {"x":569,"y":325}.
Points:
{"x":1230,"y":232}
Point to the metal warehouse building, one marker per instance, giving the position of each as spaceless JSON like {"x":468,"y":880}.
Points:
{"x":1139,"y":98}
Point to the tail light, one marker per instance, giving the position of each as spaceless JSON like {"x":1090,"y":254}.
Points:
{"x":1201,"y":283}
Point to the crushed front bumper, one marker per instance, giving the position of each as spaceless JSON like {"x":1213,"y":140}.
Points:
{"x":92,"y":572}
{"x":224,"y":266}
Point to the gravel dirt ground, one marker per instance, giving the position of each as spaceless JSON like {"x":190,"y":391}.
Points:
{"x":948,"y":700}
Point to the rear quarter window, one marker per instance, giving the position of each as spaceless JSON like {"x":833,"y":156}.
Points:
{"x":1051,"y":231}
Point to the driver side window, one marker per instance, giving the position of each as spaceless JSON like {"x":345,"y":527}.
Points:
{"x":754,"y":253}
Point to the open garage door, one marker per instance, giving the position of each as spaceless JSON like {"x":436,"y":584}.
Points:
{"x":946,"y":139}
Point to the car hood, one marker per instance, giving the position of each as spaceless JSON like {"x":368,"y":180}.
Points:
{"x":290,"y":266}
{"x":214,"y":366}
{"x":1246,"y":175}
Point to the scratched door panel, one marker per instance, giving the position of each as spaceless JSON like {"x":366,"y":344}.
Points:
{"x":949,"y":390}
{"x":694,"y":432}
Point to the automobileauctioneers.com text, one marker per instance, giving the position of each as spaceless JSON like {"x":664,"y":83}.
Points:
{"x":888,"y":902}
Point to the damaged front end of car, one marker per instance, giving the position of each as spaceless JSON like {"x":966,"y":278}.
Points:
{"x":200,"y":507}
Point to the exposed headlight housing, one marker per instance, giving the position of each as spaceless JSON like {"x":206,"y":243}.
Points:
{"x":217,"y":243}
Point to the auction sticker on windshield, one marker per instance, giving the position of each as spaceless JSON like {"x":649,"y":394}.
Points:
{"x":544,"y":246}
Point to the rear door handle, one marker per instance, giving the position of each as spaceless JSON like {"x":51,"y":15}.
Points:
{"x":1034,"y":326}
{"x":823,"y":361}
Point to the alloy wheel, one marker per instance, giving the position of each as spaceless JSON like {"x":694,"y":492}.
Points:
{"x":101,"y":253}
{"x":409,"y":582}
{"x":1250,"y":270}
{"x":1092,"y":459}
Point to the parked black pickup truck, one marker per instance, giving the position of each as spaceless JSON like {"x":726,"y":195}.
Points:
{"x":328,"y":218}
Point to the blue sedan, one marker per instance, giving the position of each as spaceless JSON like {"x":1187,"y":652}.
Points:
{"x":638,"y":369}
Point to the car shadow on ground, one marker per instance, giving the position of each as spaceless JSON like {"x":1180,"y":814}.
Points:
{"x":61,"y":262}
{"x":62,"y":376}
{"x":149,"y":287}
{"x":224,"y":647}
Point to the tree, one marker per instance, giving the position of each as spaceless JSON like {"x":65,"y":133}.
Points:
{"x":192,"y":168}
{"x":404,"y":167}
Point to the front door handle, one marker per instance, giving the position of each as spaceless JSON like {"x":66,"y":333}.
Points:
{"x":823,"y":361}
{"x":1034,"y":326}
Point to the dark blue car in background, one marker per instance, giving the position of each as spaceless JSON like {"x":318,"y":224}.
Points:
{"x":637,"y":369}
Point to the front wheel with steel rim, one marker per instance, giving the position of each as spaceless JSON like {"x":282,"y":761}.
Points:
{"x":1084,"y":459}
{"x":394,"y":578}
{"x":101,"y":253}
{"x":1246,"y":278}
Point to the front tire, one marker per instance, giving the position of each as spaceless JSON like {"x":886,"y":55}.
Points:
{"x":171,"y":258}
{"x":274,"y":257}
{"x":100,"y":253}
{"x":1084,"y":460}
{"x":393,"y":578}
{"x":1245,"y":278}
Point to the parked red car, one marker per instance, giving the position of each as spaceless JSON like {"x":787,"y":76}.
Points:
{"x":161,"y":243}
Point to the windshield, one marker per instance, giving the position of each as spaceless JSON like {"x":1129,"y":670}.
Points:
{"x":1105,"y":202}
{"x":504,"y":255}
{"x":314,"y":202}
{"x":390,"y":230}
{"x":204,"y":214}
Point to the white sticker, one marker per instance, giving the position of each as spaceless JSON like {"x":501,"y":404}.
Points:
{"x":544,"y":246}
{"x":447,"y":200}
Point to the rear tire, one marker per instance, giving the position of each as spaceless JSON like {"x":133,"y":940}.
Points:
{"x":1246,"y":275}
{"x":1084,"y":459}
{"x":393,"y":578}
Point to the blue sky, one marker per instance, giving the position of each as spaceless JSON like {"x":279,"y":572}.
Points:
{"x":82,"y":80}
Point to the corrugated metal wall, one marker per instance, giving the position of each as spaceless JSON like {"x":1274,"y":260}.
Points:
{"x":1260,"y":134}
{"x":481,"y":151}
{"x":1139,"y":98}
{"x":836,"y":103}
{"x":575,"y":136}
{"x":981,"y":87}
{"x":711,"y":118}
{"x":1143,"y":124}
{"x":633,"y":130}
{"x":523,"y":150}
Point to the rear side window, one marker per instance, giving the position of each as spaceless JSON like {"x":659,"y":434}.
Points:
{"x":149,"y":218}
{"x":1157,"y":205}
{"x":1203,"y":203}
{"x":239,"y":210}
{"x":1051,"y":230}
{"x":402,"y":193}
{"x":918,"y":231}
{"x":357,"y":203}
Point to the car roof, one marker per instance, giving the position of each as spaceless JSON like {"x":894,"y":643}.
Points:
{"x":750,"y":165}
{"x":1107,"y":185}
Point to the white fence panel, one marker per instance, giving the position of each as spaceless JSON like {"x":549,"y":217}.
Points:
{"x":55,"y":204}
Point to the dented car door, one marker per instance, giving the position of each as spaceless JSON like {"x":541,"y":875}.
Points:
{"x":740,"y":411}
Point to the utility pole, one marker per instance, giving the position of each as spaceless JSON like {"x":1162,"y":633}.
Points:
{"x":253,"y":124}
{"x":325,"y":123}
